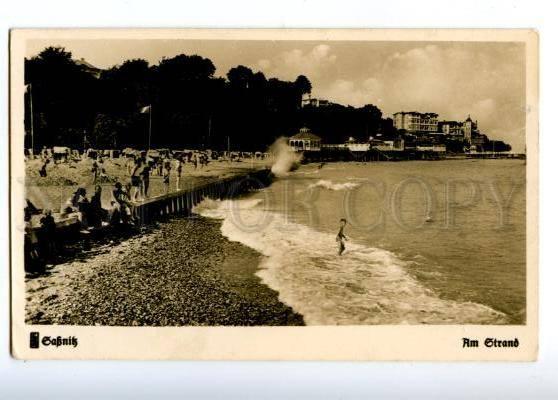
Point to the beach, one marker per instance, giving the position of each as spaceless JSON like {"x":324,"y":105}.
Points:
{"x":62,"y":179}
{"x":248,"y":260}
{"x":174,"y":272}
{"x":53,"y":193}
{"x":178,"y":272}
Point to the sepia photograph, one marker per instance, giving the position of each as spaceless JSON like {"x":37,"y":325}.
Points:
{"x":171,"y":179}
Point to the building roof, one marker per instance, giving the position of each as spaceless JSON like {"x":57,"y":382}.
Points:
{"x":426,"y":114}
{"x":305,"y":134}
{"x":87,"y":65}
{"x":450,"y":123}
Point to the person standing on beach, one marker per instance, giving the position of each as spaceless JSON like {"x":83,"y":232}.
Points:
{"x":195,"y":160}
{"x":95,"y":171}
{"x":136,"y":180}
{"x":145,"y":172}
{"x":33,"y":262}
{"x":48,"y":231}
{"x":178,"y":173}
{"x":166,"y":177}
{"x":96,"y":212}
{"x":43,"y":170}
{"x":130,"y":163}
{"x":341,"y":238}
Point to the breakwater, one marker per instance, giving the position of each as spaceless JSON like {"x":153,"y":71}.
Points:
{"x":345,"y":154}
{"x":179,"y":203}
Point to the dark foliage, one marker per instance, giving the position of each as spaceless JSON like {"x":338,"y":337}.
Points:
{"x":190,"y":106}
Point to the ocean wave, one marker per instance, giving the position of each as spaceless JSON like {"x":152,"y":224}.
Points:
{"x":305,"y":172}
{"x":217,"y":209}
{"x":329,"y":185}
{"x":366,"y":285}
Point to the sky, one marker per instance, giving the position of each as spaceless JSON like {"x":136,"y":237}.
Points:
{"x":485,"y":80}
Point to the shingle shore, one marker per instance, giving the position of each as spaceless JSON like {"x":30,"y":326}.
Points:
{"x":182,"y":273}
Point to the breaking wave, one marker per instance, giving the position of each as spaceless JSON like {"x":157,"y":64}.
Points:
{"x":217,"y":209}
{"x":367,"y":285}
{"x":329,"y":185}
{"x":286,"y":159}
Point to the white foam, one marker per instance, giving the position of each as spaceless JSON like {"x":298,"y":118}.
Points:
{"x":364,"y":286}
{"x":329,"y":185}
{"x":218,"y":209}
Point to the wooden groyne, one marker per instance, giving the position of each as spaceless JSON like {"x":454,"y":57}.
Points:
{"x":177,"y":203}
{"x":181,"y":202}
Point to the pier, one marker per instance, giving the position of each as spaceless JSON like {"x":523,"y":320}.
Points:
{"x":496,"y":154}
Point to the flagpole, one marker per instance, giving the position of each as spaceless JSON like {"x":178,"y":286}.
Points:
{"x":31,"y":111}
{"x":208,"y":141}
{"x":229,"y":148}
{"x":149,"y":138}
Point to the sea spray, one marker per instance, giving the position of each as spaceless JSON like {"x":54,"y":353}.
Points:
{"x":285,"y":158}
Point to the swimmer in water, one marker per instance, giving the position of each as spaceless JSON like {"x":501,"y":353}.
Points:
{"x":341,"y":236}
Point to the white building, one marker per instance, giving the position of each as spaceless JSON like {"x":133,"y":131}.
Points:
{"x":305,"y":140}
{"x":308,"y":101}
{"x":415,"y":122}
{"x":451,"y":128}
{"x":358,"y":146}
{"x":391,"y":145}
{"x":382,"y":145}
{"x":436,"y":148}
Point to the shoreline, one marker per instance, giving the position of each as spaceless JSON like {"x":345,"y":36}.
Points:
{"x":182,"y":273}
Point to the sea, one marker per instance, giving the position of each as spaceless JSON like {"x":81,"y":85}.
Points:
{"x":429,"y":242}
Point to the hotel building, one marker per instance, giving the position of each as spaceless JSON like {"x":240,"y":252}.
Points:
{"x":415,"y":122}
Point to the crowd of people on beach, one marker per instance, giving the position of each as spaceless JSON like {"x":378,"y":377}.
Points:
{"x":89,"y":212}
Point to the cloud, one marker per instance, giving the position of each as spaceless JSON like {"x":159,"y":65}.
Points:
{"x":289,"y":64}
{"x":264,"y":64}
{"x":345,"y":91}
{"x":451,"y":80}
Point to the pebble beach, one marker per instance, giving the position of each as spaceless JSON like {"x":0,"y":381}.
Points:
{"x":182,"y":272}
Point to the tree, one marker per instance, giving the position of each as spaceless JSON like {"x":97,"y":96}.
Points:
{"x":107,"y":131}
{"x":303,"y":85}
{"x":497,"y":145}
{"x":240,"y":77}
{"x":259,"y":81}
{"x":191,"y":108}
{"x":64,"y":95}
{"x":186,"y":68}
{"x":372,"y":111}
{"x":126,"y":87}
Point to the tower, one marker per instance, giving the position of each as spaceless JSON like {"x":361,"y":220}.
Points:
{"x":468,"y":129}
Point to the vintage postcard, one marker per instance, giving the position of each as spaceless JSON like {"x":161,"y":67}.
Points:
{"x":274,"y":194}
